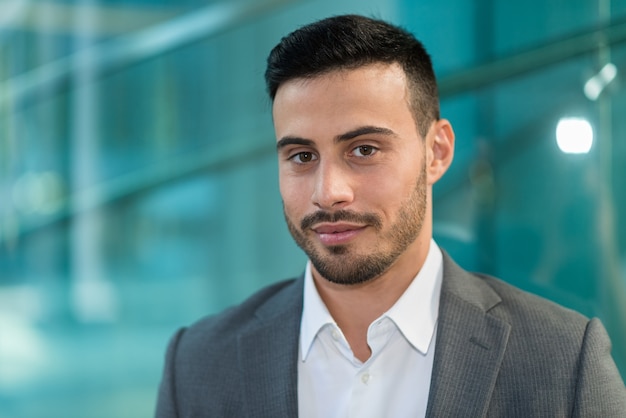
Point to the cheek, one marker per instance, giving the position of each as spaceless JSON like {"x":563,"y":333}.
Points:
{"x":293,"y":194}
{"x":392,"y":185}
{"x":389,"y":192}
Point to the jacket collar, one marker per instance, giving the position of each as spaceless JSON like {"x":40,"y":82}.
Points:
{"x":470,"y":345}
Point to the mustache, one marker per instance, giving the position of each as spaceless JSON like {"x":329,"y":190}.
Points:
{"x":342,"y":215}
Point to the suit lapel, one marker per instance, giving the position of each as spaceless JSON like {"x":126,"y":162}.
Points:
{"x":470,"y":346}
{"x":268,"y":355}
{"x":469,"y":350}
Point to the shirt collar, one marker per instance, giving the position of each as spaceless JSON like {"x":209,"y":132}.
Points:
{"x":315,"y":314}
{"x":414,"y":313}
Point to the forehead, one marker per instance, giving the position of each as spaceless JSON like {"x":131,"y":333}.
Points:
{"x":375,"y":94}
{"x":371,"y":77}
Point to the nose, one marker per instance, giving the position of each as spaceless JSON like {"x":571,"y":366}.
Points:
{"x":333,"y":188}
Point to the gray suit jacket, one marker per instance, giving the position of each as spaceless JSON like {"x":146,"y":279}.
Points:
{"x":500,"y":352}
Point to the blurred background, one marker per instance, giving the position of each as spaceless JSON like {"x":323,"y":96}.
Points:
{"x":138,"y":181}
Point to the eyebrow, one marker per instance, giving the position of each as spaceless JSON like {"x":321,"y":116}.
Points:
{"x":292,"y":140}
{"x":363,"y":130}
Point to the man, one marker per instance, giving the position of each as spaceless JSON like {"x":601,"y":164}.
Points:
{"x":383,"y":323}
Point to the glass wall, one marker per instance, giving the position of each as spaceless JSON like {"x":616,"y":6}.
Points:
{"x":540,"y":215}
{"x":138,"y":181}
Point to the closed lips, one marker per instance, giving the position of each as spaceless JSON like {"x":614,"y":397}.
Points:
{"x":336,"y":228}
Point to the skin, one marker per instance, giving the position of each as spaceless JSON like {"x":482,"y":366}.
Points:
{"x":354,"y":167}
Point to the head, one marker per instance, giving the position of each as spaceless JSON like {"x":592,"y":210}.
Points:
{"x":352,"y":41}
{"x":360,"y":144}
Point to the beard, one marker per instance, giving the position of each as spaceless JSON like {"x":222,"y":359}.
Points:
{"x":338,"y":264}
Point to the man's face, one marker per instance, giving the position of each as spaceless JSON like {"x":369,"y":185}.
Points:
{"x":352,"y":170}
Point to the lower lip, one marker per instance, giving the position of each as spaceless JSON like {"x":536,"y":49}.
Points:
{"x":339,"y":238}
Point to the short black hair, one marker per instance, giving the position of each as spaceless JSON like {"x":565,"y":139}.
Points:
{"x":352,"y":41}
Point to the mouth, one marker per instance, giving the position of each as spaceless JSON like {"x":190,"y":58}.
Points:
{"x":331,"y":234}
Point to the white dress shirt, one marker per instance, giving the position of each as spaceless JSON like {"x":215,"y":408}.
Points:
{"x":395,"y":380}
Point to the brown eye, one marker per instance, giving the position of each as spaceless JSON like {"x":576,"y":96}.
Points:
{"x":305,"y":157}
{"x":364,"y":150}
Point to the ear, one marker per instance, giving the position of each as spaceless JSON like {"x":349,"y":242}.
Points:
{"x":439,"y":149}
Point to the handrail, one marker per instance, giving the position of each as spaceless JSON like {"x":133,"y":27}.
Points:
{"x":609,"y":34}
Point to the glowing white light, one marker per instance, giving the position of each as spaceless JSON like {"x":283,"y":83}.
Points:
{"x":596,"y":84}
{"x":574,"y":135}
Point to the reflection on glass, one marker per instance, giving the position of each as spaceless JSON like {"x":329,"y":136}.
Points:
{"x":574,"y":135}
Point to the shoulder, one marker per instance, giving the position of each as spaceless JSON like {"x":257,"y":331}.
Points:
{"x":554,"y":358}
{"x":222,"y":328}
{"x":523,"y":310}
{"x":559,"y":350}
{"x":543,"y":340}
{"x":203,"y":373}
{"x":521,"y":307}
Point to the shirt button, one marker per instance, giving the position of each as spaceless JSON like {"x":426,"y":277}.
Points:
{"x":365,"y":378}
{"x":335,"y":335}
